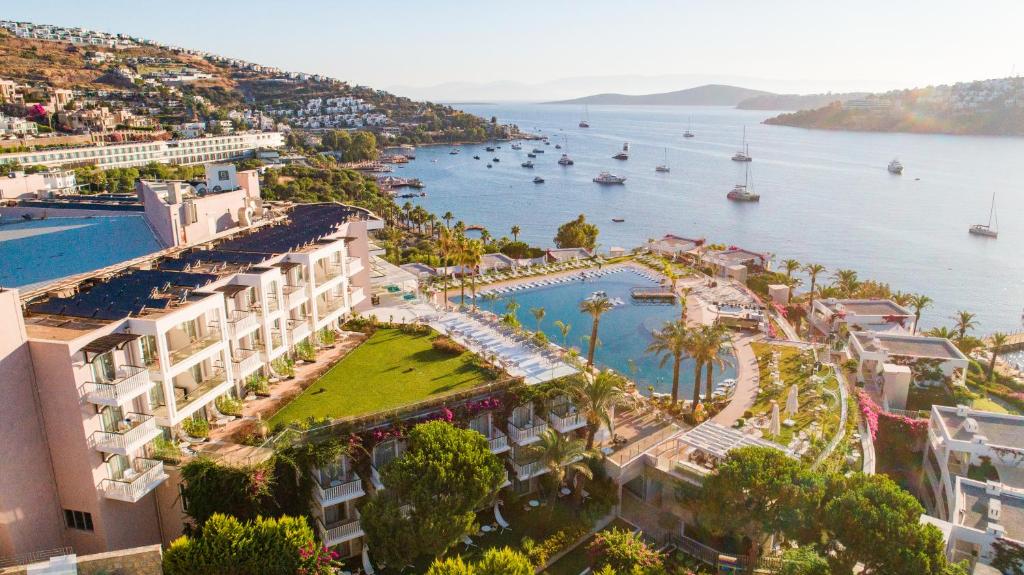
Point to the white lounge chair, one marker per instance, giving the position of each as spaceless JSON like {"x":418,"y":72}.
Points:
{"x":468,"y":542}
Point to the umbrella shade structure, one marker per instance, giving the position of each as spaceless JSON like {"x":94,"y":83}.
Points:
{"x":775,"y":425}
{"x":792,"y":401}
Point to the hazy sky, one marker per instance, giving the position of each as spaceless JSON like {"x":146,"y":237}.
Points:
{"x":808,"y":45}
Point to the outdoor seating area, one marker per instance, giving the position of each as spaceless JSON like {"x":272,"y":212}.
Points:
{"x":517,"y":353}
{"x":518,"y":273}
{"x":584,"y":275}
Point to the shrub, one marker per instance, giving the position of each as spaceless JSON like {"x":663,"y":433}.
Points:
{"x":229,"y":405}
{"x":414,"y":328}
{"x":540,"y":553}
{"x":623,"y":551}
{"x":242,"y":491}
{"x":447,"y":345}
{"x":327,"y":337}
{"x":196,"y":427}
{"x":305,"y":351}
{"x":257,"y":384}
{"x":165,"y":450}
{"x":283,"y":366}
{"x":361,"y":325}
{"x":540,"y":338}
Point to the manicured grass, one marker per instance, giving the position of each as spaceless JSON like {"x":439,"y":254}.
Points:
{"x":986,"y":404}
{"x":923,"y":398}
{"x":389,"y":370}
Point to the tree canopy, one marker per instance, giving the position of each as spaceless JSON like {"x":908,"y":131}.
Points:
{"x":444,"y":476}
{"x":577,"y":234}
{"x":504,"y":561}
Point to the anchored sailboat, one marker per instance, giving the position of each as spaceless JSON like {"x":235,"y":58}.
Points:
{"x":585,"y":122}
{"x":689,"y":125}
{"x":744,"y":154}
{"x":744,"y":192}
{"x":664,"y":167}
{"x":988,"y":230}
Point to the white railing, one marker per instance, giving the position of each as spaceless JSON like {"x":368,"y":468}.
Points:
{"x":247,"y":361}
{"x":350,"y":489}
{"x":355,"y":265}
{"x":143,"y":431}
{"x":525,"y":471}
{"x":130,"y":383}
{"x":498,"y":441}
{"x":240,"y":322}
{"x":525,"y":435}
{"x":342,"y":532}
{"x":299,"y":328}
{"x":567,"y":423}
{"x":356,"y":295}
{"x":145,"y":473}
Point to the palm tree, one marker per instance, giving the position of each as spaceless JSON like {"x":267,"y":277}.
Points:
{"x":996,"y":343}
{"x":448,"y":217}
{"x":901,"y":298}
{"x":964,"y":323}
{"x":471,"y":255}
{"x":561,"y":455}
{"x":538,"y":315}
{"x":847,"y":282}
{"x":515,"y":233}
{"x":684,"y":295}
{"x":695,"y":349}
{"x":919,"y":302}
{"x":813,"y":271}
{"x":943,"y":332}
{"x":565,"y":328}
{"x":446,"y":245}
{"x":485,"y":237}
{"x":715,"y":338}
{"x":672,"y":342}
{"x":596,"y":397}
{"x":790,"y":266}
{"x":596,"y":307}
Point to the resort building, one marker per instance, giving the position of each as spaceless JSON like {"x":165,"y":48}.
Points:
{"x":982,"y":513}
{"x":495,"y":262}
{"x":677,"y":248}
{"x":965,"y":442}
{"x":185,"y":151}
{"x":40,"y":185}
{"x":736,"y":263}
{"x":105,"y":374}
{"x":892,"y":363}
{"x":833,"y":315}
{"x":568,"y":255}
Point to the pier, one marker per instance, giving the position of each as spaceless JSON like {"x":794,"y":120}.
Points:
{"x":653,"y":294}
{"x":1014,"y":342}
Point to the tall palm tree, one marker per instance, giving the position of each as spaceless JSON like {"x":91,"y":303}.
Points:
{"x":715,"y":339}
{"x":448,"y":217}
{"x":596,"y":397}
{"x":471,"y":255}
{"x":562,"y":455}
{"x":515,"y":233}
{"x":996,"y":343}
{"x":847,"y":281}
{"x":964,"y":323}
{"x":538,"y":314}
{"x":919,"y":302}
{"x":813,"y":271}
{"x":790,"y":265}
{"x":671,"y":342}
{"x":684,"y":296}
{"x":447,"y":244}
{"x":695,"y":349}
{"x":943,"y":332}
{"x":565,"y":328}
{"x":485,"y":237}
{"x":596,"y":307}
{"x":901,"y":298}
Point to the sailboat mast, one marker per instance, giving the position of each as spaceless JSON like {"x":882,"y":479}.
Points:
{"x":992,"y":209}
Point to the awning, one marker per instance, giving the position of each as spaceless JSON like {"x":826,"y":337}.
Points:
{"x":287,"y":266}
{"x":108,"y":343}
{"x":231,"y":290}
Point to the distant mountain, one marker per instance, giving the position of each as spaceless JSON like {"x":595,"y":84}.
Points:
{"x":708,"y":95}
{"x":796,"y":101}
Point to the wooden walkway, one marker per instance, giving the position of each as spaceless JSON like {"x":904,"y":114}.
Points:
{"x":1014,"y":342}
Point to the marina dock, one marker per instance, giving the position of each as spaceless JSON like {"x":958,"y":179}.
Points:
{"x":659,"y":294}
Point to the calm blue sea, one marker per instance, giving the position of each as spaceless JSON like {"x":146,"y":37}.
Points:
{"x":624,"y":331}
{"x":826,"y":196}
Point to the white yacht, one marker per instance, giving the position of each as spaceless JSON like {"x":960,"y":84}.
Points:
{"x":744,"y":154}
{"x":517,"y":146}
{"x":988,"y":230}
{"x":688,"y":133}
{"x":663,"y":168}
{"x":624,"y":154}
{"x":895,"y":167}
{"x":609,"y":178}
{"x":744,"y":192}
{"x":565,"y":160}
{"x":585,"y":122}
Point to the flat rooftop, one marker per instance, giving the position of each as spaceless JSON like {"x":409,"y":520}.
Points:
{"x":910,"y":345}
{"x":1000,"y":429}
{"x":866,"y":306}
{"x":976,"y":507}
{"x":735,"y":256}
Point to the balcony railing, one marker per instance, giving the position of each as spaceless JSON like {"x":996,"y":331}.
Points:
{"x":327,"y":272}
{"x":339,"y":490}
{"x":273,"y":304}
{"x":212,"y":381}
{"x":498,"y":441}
{"x":567,"y":422}
{"x":241,"y":321}
{"x":294,"y":293}
{"x":528,"y":434}
{"x":356,"y":295}
{"x":527,"y":469}
{"x":355,"y":265}
{"x":132,"y":381}
{"x":340,"y":531}
{"x":245,"y":361}
{"x":139,"y":428}
{"x":299,"y":328}
{"x":143,"y":477}
{"x":330,"y":304}
{"x":276,"y":339}
{"x":186,"y":351}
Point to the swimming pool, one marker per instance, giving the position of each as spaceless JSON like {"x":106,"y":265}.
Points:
{"x":37,"y":251}
{"x":625,"y":330}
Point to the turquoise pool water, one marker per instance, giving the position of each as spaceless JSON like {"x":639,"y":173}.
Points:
{"x":37,"y":251}
{"x":625,"y":331}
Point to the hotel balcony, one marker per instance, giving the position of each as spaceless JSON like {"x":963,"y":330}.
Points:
{"x":135,"y":431}
{"x":143,"y":477}
{"x":528,"y":433}
{"x":245,"y":361}
{"x":294,"y":294}
{"x":276,"y":339}
{"x":299,"y":328}
{"x":201,"y":393}
{"x":498,"y":441}
{"x":327,"y":273}
{"x":241,"y":322}
{"x":338,"y":490}
{"x":184,"y":352}
{"x":273,"y":304}
{"x":356,"y":295}
{"x":341,"y":531}
{"x":526,"y":467}
{"x":564,"y":418}
{"x":131,"y":382}
{"x":355,"y":265}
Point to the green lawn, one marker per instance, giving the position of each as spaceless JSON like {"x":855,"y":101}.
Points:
{"x":389,"y":370}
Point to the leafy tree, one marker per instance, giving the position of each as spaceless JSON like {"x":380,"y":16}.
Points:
{"x":865,"y":514}
{"x":713,"y":341}
{"x":451,"y":566}
{"x":596,"y":307}
{"x":444,"y":476}
{"x":577,"y":234}
{"x":623,"y":551}
{"x":504,"y":561}
{"x":364,"y":147}
{"x":227,"y":546}
{"x":561,"y":455}
{"x":241,"y":491}
{"x":1008,"y":557}
{"x":804,"y":561}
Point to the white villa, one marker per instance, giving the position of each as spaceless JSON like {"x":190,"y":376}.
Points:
{"x":827,"y":315}
{"x":893,"y":362}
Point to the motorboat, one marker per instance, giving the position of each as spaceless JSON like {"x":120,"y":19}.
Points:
{"x":496,"y":159}
{"x":490,"y":165}
{"x":565,"y":160}
{"x":531,"y":155}
{"x":527,"y":164}
{"x":609,"y":178}
{"x":489,"y":148}
{"x":618,"y":220}
{"x":538,"y":151}
{"x":895,"y":167}
{"x":988,"y":230}
{"x":476,"y":157}
{"x":538,"y":180}
{"x":624,"y":154}
{"x":517,"y":146}
{"x":454,"y":152}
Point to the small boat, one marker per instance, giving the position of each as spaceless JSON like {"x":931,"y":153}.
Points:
{"x":664,"y":167}
{"x":744,"y":154}
{"x":688,"y":133}
{"x":538,"y":180}
{"x":416,"y":183}
{"x":624,"y":154}
{"x":558,"y":146}
{"x":618,"y":220}
{"x":527,"y":164}
{"x":476,"y":157}
{"x":489,"y":148}
{"x":547,"y":143}
{"x":988,"y":230}
{"x":895,"y":167}
{"x":538,"y":151}
{"x":744,"y":192}
{"x":609,"y":178}
{"x":517,"y":146}
{"x":531,"y":155}
{"x":565,"y":160}
{"x":490,"y":165}
{"x":496,"y":159}
{"x":585,"y":122}
{"x":453,"y":152}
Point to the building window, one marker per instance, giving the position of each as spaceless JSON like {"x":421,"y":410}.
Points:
{"x":80,"y":520}
{"x":222,"y":175}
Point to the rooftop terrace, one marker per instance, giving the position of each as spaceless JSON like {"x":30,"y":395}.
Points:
{"x":1000,"y":429}
{"x":978,"y":502}
{"x":866,"y":306}
{"x":909,"y":345}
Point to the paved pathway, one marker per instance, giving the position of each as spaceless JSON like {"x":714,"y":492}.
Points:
{"x":747,"y":381}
